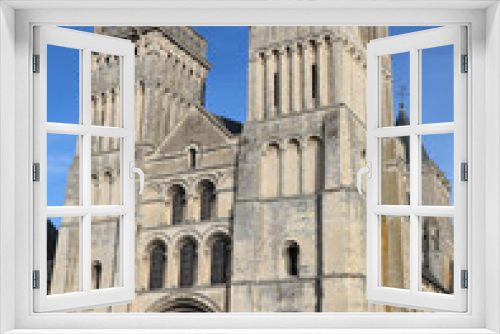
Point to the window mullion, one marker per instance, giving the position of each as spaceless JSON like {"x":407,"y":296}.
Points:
{"x":414,"y":169}
{"x":86,"y":164}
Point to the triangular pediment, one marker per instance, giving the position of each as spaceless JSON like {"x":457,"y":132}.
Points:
{"x":198,"y":128}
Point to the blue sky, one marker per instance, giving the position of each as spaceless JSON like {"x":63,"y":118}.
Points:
{"x":227,"y":89}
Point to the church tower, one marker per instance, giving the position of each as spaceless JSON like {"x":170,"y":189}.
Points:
{"x":171,"y":70}
{"x":299,"y":221}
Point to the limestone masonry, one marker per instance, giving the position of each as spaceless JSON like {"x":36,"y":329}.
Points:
{"x":256,"y":217}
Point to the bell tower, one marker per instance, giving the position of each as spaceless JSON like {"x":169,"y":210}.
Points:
{"x":299,"y":69}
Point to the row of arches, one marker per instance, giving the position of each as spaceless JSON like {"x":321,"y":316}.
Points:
{"x":186,"y":263}
{"x":186,"y":260}
{"x":290,"y":168}
{"x":205,"y":202}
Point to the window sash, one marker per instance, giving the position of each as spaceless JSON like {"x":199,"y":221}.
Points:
{"x":86,"y":43}
{"x":412,"y":43}
{"x":328,"y":322}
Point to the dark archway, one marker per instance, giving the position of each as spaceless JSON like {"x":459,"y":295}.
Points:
{"x":186,"y":306}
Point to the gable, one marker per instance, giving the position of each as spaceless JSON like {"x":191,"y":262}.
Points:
{"x":195,"y":128}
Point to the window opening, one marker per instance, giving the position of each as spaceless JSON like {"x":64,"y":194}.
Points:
{"x":220,"y":261}
{"x":293,"y":252}
{"x":188,"y":261}
{"x":157,"y":266}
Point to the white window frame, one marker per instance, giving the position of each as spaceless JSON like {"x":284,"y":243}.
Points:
{"x":414,"y":43}
{"x":483,"y":121}
{"x":85,"y":43}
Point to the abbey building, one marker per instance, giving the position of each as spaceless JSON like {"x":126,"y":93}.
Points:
{"x":261,"y":216}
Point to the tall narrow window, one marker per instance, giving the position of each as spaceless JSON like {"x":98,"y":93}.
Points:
{"x":314,"y":84}
{"x":178,"y":204}
{"x":293,"y":259}
{"x":220,"y":261}
{"x":97,"y":274}
{"x":157,"y":266}
{"x":188,"y":263}
{"x":276,"y":90}
{"x":192,"y":158}
{"x":208,"y":196}
{"x":203,"y":92}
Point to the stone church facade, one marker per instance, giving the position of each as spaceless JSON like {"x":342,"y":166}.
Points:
{"x":255,"y":217}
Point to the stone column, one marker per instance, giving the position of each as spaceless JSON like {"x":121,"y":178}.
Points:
{"x":109,"y":119}
{"x":308,"y":62}
{"x":106,"y":188}
{"x":252,"y":88}
{"x":116,"y":187}
{"x":100,"y":116}
{"x":93,"y":121}
{"x":164,"y":116}
{"x":198,"y":88}
{"x":284,"y":82}
{"x":336,"y":72}
{"x":203,"y":266}
{"x":260,"y":87}
{"x":185,"y":79}
{"x":281,"y":168}
{"x":190,"y":207}
{"x":172,"y":111}
{"x":177,"y":74}
{"x":322,"y":61}
{"x":144,"y":112}
{"x":116,"y":116}
{"x":296,"y":74}
{"x":301,"y":181}
{"x":179,"y":110}
{"x":138,"y":111}
{"x":172,"y":267}
{"x":158,"y":113}
{"x":269,"y":109}
{"x":170,"y":71}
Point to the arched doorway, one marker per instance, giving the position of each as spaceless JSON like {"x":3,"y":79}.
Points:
{"x":186,"y":305}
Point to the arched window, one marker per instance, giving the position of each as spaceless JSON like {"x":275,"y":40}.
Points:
{"x":178,"y":204}
{"x":293,"y":253}
{"x":207,"y":201}
{"x":97,"y":274}
{"x":220,"y":261}
{"x":157,"y":266}
{"x":192,"y":158}
{"x":188,"y":263}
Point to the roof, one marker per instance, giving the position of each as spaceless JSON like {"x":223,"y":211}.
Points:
{"x":234,"y":127}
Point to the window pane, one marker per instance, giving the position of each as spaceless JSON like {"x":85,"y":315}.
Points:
{"x":63,"y":170}
{"x":395,"y":252}
{"x":395,"y":93}
{"x":437,"y":84}
{"x":105,"y":99}
{"x":63,"y":85}
{"x":395,"y":170}
{"x":437,"y":254}
{"x":63,"y":255}
{"x":105,"y":235}
{"x":105,"y":177}
{"x":437,"y":169}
